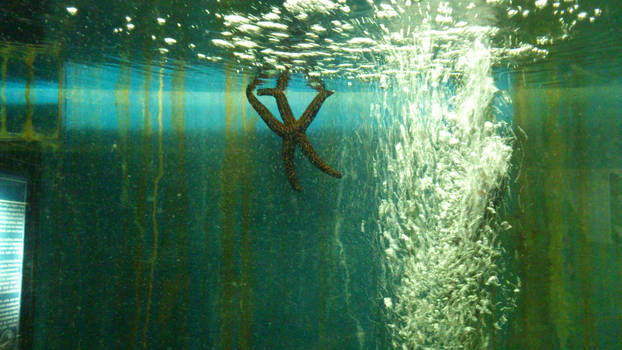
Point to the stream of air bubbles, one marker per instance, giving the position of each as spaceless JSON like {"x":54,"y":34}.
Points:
{"x":443,"y":159}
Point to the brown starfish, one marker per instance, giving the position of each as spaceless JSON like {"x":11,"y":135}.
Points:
{"x":291,"y":130}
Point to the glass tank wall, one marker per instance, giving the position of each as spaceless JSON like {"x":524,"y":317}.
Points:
{"x":479,"y":143}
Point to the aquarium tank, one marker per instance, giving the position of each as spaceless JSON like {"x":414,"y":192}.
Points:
{"x":311,"y":174}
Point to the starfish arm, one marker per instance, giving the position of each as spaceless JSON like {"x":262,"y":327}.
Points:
{"x":307,"y":149}
{"x":283,"y":80}
{"x":288,"y":162}
{"x":311,"y":111}
{"x":281,"y":101}
{"x":273,"y":123}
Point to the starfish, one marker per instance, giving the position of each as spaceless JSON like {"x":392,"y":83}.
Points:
{"x":291,"y":130}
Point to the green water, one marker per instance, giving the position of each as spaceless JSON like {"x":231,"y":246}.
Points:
{"x":159,"y":213}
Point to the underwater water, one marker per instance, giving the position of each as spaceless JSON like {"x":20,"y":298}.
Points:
{"x":479,"y":143}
